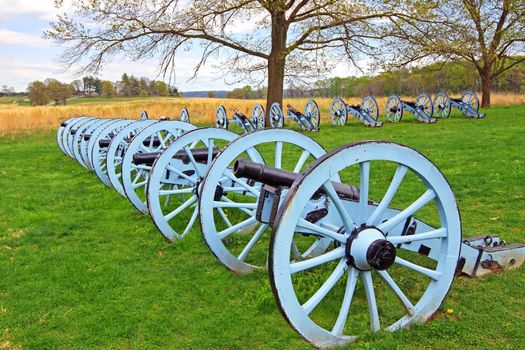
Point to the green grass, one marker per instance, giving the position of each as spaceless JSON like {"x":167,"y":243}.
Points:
{"x":81,"y":268}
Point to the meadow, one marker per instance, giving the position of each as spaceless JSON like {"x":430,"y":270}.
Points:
{"x":16,"y":118}
{"x":80,"y":268}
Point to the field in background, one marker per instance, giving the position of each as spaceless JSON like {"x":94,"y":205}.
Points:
{"x":14,"y":118}
{"x":82,"y":269}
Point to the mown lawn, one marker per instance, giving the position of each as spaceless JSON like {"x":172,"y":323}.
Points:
{"x":80,"y":268}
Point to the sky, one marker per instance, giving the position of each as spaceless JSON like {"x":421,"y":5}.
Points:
{"x":25,"y":56}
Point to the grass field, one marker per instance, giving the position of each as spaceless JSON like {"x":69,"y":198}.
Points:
{"x":15,"y":118}
{"x":80,"y":268}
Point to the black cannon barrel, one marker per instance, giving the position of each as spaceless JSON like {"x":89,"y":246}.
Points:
{"x":87,"y":137}
{"x":145,"y":158}
{"x":199,"y":154}
{"x":63,"y":124}
{"x":283,"y":178}
{"x":73,"y":131}
{"x":147,"y":141}
{"x":104,"y":143}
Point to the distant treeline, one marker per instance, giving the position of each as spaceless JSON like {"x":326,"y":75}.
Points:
{"x":450,"y":77}
{"x":41,"y":93}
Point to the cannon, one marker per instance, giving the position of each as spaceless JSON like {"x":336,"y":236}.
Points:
{"x":468,"y":104}
{"x":375,"y":212}
{"x":367,"y":111}
{"x":257,"y":120}
{"x":422,"y":108}
{"x":309,"y":120}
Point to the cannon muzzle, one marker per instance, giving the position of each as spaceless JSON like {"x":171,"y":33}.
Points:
{"x":282,"y":178}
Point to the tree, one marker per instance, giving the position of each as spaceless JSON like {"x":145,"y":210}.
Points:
{"x":286,"y":38}
{"x":212,"y":94}
{"x":37,"y":93}
{"x":108,"y":89}
{"x":57,"y":91}
{"x":487,"y":33}
{"x":162,"y":88}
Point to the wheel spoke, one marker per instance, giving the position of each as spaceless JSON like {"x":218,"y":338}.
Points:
{"x":224,"y":217}
{"x":226,"y":199}
{"x":351,"y":282}
{"x":371,"y":298}
{"x":435,"y":275}
{"x":364,"y":171}
{"x":318,"y":260}
{"x":336,"y":236}
{"x":225,"y":233}
{"x":180,"y":208}
{"x":217,"y":204}
{"x":192,"y":221}
{"x":397,"y":291}
{"x":410,"y":210}
{"x":211,"y":145}
{"x":252,"y":241}
{"x":242,"y":183}
{"x":181,"y":174}
{"x":327,"y":286}
{"x":438,"y":233}
{"x":139,"y":184}
{"x":401,"y":170}
{"x":193,"y":161}
{"x":347,"y":220}
{"x":302,"y":159}
{"x":177,"y":191}
{"x":278,"y":154}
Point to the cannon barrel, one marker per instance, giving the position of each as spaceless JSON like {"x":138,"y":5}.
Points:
{"x":104,"y":143}
{"x":283,"y":178}
{"x":73,"y":131}
{"x":199,"y":154}
{"x":87,"y":137}
{"x":63,"y":124}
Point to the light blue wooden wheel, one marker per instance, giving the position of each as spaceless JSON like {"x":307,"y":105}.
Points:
{"x":227,"y":204}
{"x":135,"y":176}
{"x":67,"y":137}
{"x":338,"y":112}
{"x":259,"y":117}
{"x":424,"y":103}
{"x":83,"y":147}
{"x":369,"y":106}
{"x":442,"y":105}
{"x":71,"y":139}
{"x":311,"y":111}
{"x":96,"y":136}
{"x":173,"y":183}
{"x":221,"y":118}
{"x":117,"y":149}
{"x":394,"y":109}
{"x":470,"y":98}
{"x":144,"y":115}
{"x":320,"y":297}
{"x":276,"y":115}
{"x":60,"y":132}
{"x":81,"y":129}
{"x":185,"y":115}
{"x":99,"y":153}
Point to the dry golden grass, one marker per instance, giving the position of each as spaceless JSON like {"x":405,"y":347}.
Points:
{"x":14,"y":119}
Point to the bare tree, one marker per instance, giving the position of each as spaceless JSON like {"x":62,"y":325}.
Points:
{"x":262,"y":39}
{"x":490,"y":34}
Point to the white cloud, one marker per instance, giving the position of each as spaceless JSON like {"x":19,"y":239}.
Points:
{"x":43,"y":9}
{"x":8,"y":37}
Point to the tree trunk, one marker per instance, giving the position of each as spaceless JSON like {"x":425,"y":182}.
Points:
{"x":486,"y":86}
{"x":276,"y":61}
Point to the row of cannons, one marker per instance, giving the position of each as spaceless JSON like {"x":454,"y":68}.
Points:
{"x":364,"y":237}
{"x":423,"y":108}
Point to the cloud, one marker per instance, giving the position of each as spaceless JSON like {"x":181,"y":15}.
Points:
{"x":8,"y":37}
{"x":43,"y":9}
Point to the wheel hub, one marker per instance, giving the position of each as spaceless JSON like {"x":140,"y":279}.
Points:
{"x":367,"y":249}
